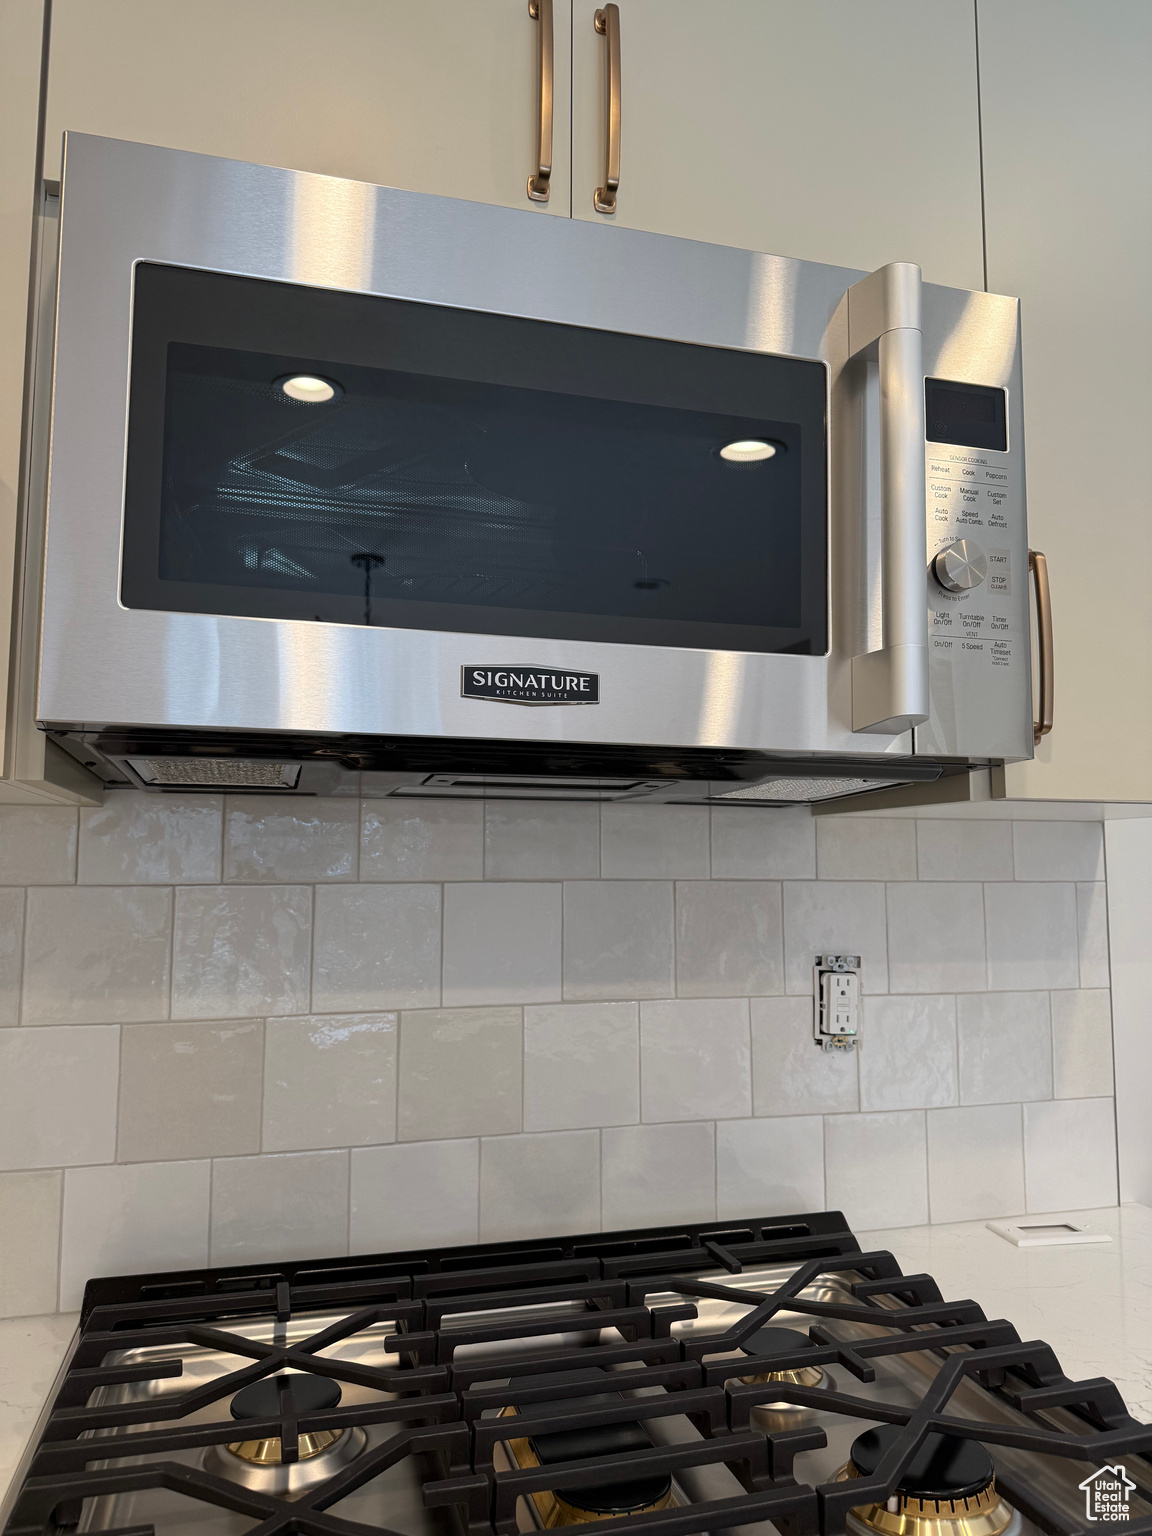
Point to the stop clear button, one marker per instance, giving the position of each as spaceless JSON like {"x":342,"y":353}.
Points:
{"x":960,"y":566}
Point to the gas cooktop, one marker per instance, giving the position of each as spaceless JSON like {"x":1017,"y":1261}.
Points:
{"x":761,"y":1374}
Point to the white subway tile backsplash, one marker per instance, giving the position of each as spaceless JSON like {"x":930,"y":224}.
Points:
{"x":654,"y":842}
{"x":865,"y":848}
{"x":1082,"y":1045}
{"x":652,"y":1175}
{"x":289,"y":1205}
{"x":581,"y":1065}
{"x":729,"y":938}
{"x":37,"y":845}
{"x":415,"y":1195}
{"x":96,"y":955}
{"x":416,"y":840}
{"x":769,"y":1167}
{"x":964,"y":850}
{"x":296,"y":1023}
{"x":329,"y":1081}
{"x":840,"y":917}
{"x":1092,"y":919}
{"x":533,"y":840}
{"x":285,"y":840}
{"x":377,"y":947}
{"x":790,"y":1075}
{"x":909,"y":1059}
{"x":189,"y":1090}
{"x":58,"y":1095}
{"x":502,"y":943}
{"x":103,"y":1230}
{"x":241,"y":952}
{"x":1005,"y":1047}
{"x":135,"y":839}
{"x":876,"y":1168}
{"x":461,"y":1073}
{"x":1070,"y":1154}
{"x":695,"y":1060}
{"x":618,"y":939}
{"x":975,"y":1162}
{"x":1059,"y":850}
{"x":1033,"y":938}
{"x":751,"y":844}
{"x":11,"y":953}
{"x":936,"y":937}
{"x":533,"y":1186}
{"x":30,"y":1249}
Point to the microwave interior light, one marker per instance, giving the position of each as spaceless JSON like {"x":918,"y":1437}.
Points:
{"x":308,"y":388}
{"x":749,"y":450}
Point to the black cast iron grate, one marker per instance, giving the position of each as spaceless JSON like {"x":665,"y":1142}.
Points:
{"x":444,"y":1405}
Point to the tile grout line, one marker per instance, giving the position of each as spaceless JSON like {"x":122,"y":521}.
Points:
{"x":23,"y":957}
{"x":60,"y":1247}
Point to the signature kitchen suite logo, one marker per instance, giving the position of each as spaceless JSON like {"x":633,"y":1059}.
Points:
{"x":530,"y":685}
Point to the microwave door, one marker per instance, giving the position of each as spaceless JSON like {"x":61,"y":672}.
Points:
{"x":347,"y":482}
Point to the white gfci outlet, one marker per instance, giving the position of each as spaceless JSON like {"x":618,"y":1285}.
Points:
{"x":836,"y":984}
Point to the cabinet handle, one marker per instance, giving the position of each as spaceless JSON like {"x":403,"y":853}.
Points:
{"x":539,"y":183}
{"x":608,"y":25}
{"x":1039,"y":568}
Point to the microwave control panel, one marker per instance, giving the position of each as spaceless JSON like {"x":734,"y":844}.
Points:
{"x":978,"y":581}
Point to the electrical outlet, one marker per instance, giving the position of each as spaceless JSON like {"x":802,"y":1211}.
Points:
{"x":836,"y":987}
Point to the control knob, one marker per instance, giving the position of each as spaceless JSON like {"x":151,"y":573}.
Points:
{"x":960,"y":566}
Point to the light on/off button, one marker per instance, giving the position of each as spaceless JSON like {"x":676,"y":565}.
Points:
{"x":960,"y":566}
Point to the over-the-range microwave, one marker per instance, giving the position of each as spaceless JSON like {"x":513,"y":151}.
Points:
{"x":345,"y":480}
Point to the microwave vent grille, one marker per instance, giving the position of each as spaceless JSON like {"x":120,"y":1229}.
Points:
{"x":215,"y":773}
{"x":801,"y":791}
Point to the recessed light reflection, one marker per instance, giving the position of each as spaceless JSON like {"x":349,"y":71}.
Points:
{"x":749,"y":450}
{"x":308,"y":389}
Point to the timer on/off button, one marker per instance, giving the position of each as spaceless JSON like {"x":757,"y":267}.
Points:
{"x":960,"y":566}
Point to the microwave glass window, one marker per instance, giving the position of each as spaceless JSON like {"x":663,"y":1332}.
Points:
{"x":295,"y":453}
{"x":969,"y":415}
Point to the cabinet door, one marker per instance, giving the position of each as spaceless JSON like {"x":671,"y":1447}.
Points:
{"x":831,"y":130}
{"x":436,"y":96}
{"x":1067,"y":117}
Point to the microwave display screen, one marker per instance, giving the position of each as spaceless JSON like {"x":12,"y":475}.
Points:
{"x":305,"y":454}
{"x":969,"y":415}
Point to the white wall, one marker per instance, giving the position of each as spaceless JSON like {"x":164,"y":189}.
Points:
{"x":1129,"y":859}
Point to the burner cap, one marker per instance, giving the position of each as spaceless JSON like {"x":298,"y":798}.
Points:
{"x":775,"y":1341}
{"x":617,"y":1498}
{"x":945,"y":1466}
{"x":261,"y":1400}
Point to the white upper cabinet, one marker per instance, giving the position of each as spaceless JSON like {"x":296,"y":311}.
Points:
{"x":1068,"y":183}
{"x":432,"y":95}
{"x":832,"y":130}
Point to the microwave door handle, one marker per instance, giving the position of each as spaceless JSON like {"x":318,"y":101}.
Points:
{"x":890,"y":686}
{"x":540,"y":182}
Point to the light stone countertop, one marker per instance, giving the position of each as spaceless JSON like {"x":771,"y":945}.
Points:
{"x":1091,"y":1303}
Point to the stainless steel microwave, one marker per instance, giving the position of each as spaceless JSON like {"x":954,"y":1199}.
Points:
{"x":345,"y":480}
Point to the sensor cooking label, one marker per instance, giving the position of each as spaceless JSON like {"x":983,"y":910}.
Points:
{"x":529,"y":685}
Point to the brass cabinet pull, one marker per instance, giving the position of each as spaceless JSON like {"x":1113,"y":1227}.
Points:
{"x":539,"y":183}
{"x":608,"y":25}
{"x":1039,"y":568}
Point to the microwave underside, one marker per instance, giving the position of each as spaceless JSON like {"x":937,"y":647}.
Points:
{"x":447,"y":768}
